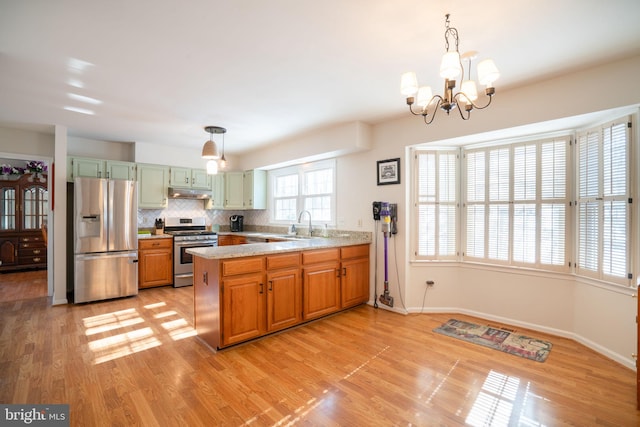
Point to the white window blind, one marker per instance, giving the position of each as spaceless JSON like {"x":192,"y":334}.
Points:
{"x":436,"y":203}
{"x":603,"y":212}
{"x":522,"y":219}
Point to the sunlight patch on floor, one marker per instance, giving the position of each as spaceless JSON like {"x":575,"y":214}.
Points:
{"x":110,"y":348}
{"x":179,"y":329}
{"x":496,"y":401}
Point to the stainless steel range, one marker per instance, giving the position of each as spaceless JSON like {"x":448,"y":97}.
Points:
{"x":187,"y":233}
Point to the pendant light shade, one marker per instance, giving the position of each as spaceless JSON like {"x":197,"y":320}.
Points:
{"x":210,"y":151}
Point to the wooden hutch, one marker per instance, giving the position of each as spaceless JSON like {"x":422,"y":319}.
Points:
{"x":24,"y":204}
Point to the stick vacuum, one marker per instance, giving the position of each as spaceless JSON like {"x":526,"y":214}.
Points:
{"x":385,"y":215}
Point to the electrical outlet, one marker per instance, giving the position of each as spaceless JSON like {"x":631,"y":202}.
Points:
{"x":360,"y":222}
{"x":430,"y":283}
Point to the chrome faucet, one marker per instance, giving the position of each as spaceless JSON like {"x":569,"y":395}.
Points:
{"x":300,"y":218}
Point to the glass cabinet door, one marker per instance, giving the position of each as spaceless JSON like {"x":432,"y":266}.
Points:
{"x":35,"y":207}
{"x":7,"y":208}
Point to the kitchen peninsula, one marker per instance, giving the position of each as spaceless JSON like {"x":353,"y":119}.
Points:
{"x":246,"y":291}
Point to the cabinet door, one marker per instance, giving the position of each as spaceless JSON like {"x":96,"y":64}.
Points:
{"x":217,"y":187}
{"x":35,"y":205}
{"x":284,"y":299}
{"x":8,"y":207}
{"x":8,"y":252}
{"x":155,"y":262}
{"x":180,"y":177}
{"x":255,"y":189}
{"x":233,"y":190}
{"x":320,"y":290}
{"x":355,"y":281}
{"x":200,"y":179}
{"x":121,"y":170}
{"x":89,"y":168}
{"x":153,"y":181}
{"x":242,"y":307}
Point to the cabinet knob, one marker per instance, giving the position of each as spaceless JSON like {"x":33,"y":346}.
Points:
{"x":270,"y":285}
{"x":261,"y":288}
{"x":36,"y":251}
{"x":205,"y":278}
{"x":36,"y":260}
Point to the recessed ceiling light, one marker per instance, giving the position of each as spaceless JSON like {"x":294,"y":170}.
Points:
{"x":83,"y":98}
{"x":80,"y":110}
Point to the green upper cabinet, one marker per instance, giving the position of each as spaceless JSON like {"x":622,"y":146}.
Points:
{"x":121,"y":170}
{"x":98,"y":168}
{"x":200,"y":179}
{"x":255,"y":189}
{"x":87,"y":168}
{"x":153,"y":182}
{"x":217,"y":189}
{"x":190,"y":178}
{"x":234,"y":190}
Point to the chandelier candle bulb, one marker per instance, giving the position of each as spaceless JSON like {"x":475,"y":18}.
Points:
{"x":409,"y":84}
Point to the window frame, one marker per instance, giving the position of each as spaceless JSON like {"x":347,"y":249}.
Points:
{"x":300,"y":170}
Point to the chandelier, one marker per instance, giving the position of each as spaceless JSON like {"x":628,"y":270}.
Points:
{"x":210,"y":150}
{"x":451,"y":68}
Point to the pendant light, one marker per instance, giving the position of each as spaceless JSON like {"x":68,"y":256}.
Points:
{"x":210,"y":150}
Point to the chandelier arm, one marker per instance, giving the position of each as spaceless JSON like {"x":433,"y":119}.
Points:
{"x":435,"y":110}
{"x":463,"y":95}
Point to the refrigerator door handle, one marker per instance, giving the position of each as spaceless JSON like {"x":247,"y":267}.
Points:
{"x":107,"y":255}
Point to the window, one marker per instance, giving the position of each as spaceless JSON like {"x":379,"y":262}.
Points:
{"x":603,"y":202}
{"x":516,"y":204}
{"x":437,"y":204}
{"x":310,"y":187}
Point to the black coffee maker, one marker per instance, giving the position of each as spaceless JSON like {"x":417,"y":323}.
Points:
{"x":236,"y":222}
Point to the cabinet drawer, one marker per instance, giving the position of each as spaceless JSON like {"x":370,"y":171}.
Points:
{"x":354,"y":251}
{"x":32,"y":239}
{"x":155,"y":244}
{"x":322,"y":255}
{"x":231,"y":267}
{"x":38,"y":252}
{"x":30,"y":260}
{"x":282,"y":261}
{"x":31,"y":245}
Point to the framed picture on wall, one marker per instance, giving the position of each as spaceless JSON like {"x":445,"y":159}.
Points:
{"x":388,"y":171}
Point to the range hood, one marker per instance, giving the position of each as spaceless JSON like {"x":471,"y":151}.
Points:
{"x":189,"y":193}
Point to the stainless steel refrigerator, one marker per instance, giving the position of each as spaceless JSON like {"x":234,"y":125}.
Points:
{"x":105,"y":239}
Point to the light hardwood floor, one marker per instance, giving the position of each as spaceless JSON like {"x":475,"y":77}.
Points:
{"x":136,"y":361}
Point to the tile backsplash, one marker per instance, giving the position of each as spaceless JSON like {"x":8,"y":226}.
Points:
{"x":195,"y":208}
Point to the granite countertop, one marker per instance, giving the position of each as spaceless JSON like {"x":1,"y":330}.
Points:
{"x":295,"y":244}
{"x":154,"y":236}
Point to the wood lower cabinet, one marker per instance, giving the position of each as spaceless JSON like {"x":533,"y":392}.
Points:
{"x":354,"y":271}
{"x":320,"y":282}
{"x":230,"y":239}
{"x":238,"y":299}
{"x":284,"y":291}
{"x":8,"y":252}
{"x":155,"y":262}
{"x":243,"y":300}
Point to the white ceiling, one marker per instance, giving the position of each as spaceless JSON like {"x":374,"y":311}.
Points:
{"x":269,"y":70}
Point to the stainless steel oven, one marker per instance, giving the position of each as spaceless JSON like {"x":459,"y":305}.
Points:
{"x":187,"y":233}
{"x":182,"y":261}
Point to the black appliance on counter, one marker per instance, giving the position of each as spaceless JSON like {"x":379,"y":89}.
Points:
{"x":236,"y":222}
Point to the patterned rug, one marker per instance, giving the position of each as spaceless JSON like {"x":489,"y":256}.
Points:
{"x":497,"y":338}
